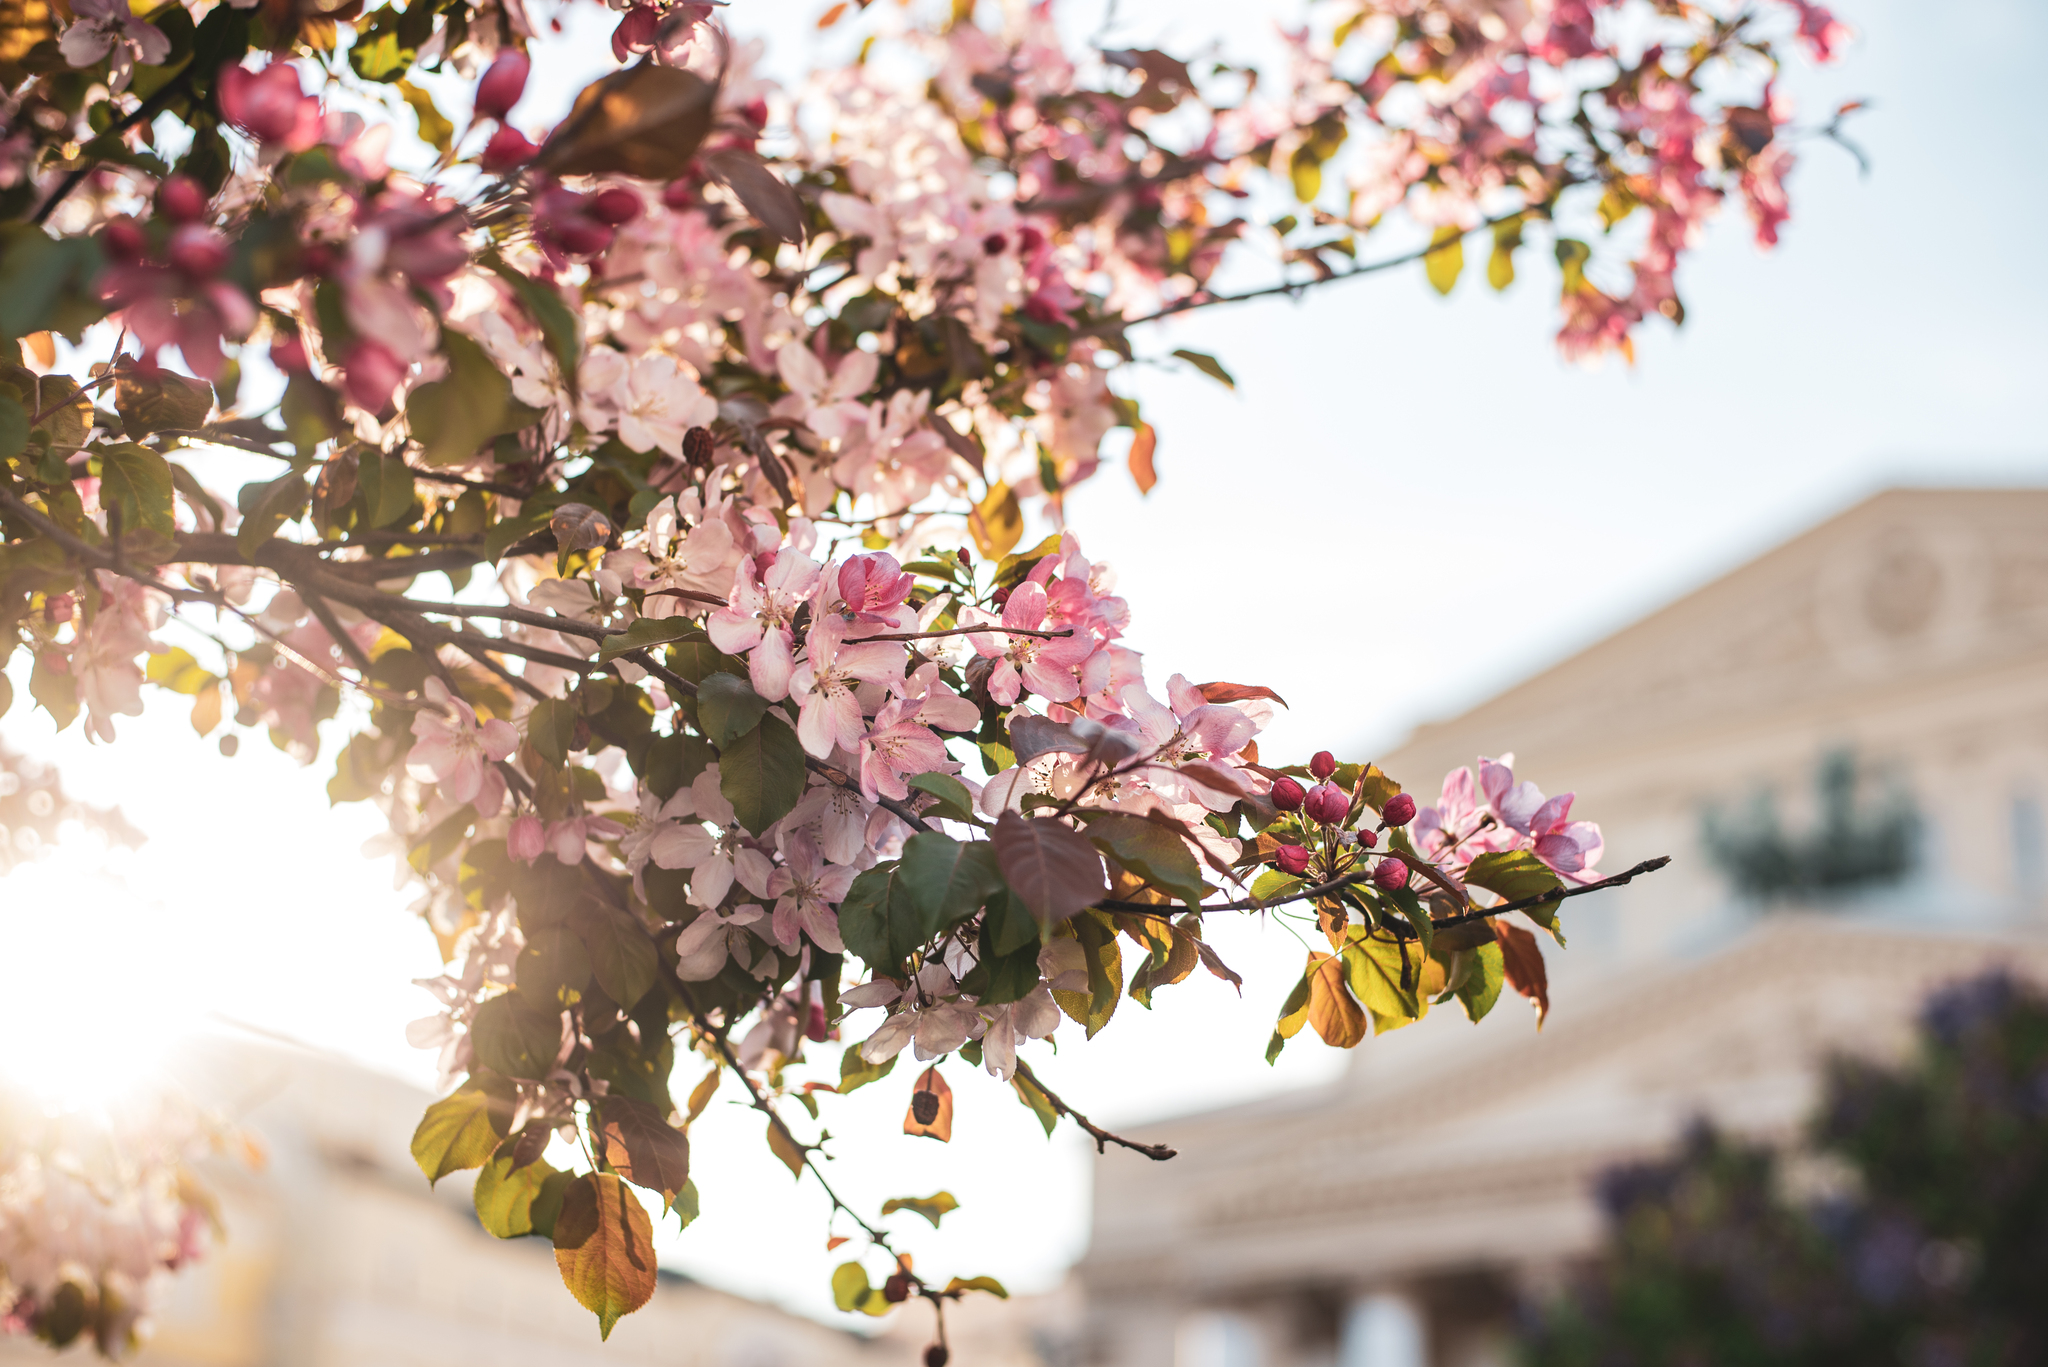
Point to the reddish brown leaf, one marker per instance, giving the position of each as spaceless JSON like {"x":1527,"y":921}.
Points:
{"x":1215,"y":964}
{"x":766,"y":195}
{"x":1522,"y":965}
{"x":1050,"y":866}
{"x":1143,"y":444}
{"x":834,"y":1242}
{"x":937,"y":1119}
{"x":645,"y":121}
{"x":1335,"y":1016}
{"x":604,"y":1247}
{"x":827,"y":20}
{"x":643,"y":1148}
{"x":579,"y":527}
{"x":1230,"y":692}
{"x":1223,"y":778}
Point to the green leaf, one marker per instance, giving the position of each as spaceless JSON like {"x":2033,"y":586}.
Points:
{"x":1209,"y":365}
{"x":851,"y":1292}
{"x":727,"y":705}
{"x":457,"y":1132}
{"x":1092,"y":1009}
{"x":955,"y":802}
{"x":1512,"y":874}
{"x":513,"y":1038}
{"x":931,"y":1207}
{"x":1383,"y":975}
{"x":14,"y":428}
{"x":553,"y":965}
{"x":163,"y":402}
{"x":988,"y":1284}
{"x":604,"y":1248}
{"x":623,"y":958}
{"x":557,"y":321}
{"x":435,"y":127}
{"x":856,"y":1072}
{"x":1272,"y":885}
{"x":762,"y":774}
{"x":647,"y":631}
{"x":1034,"y":1097}
{"x":454,"y":416}
{"x":58,"y":693}
{"x":1445,"y":259}
{"x":947,"y":879}
{"x":386,"y":485}
{"x":1293,"y":1015}
{"x":1010,"y":925}
{"x":137,"y":481}
{"x":881,"y":921}
{"x":1500,"y":267}
{"x":46,"y":283}
{"x":687,"y":1206}
{"x":505,"y":1196}
{"x":268,"y":506}
{"x":1150,"y":851}
{"x":1484,"y":973}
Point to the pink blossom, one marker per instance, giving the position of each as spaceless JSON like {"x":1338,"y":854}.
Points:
{"x":805,"y":887}
{"x":684,"y":548}
{"x":757,"y":624}
{"x":525,"y":840}
{"x":102,"y":27}
{"x":270,"y":105}
{"x":1192,"y":729}
{"x":569,"y":839}
{"x":874,"y":589}
{"x":824,"y":401}
{"x":830,"y":714}
{"x":450,"y":749}
{"x":835,"y":817}
{"x":714,"y":936}
{"x":103,"y":657}
{"x":896,"y":746}
{"x":1044,"y":665}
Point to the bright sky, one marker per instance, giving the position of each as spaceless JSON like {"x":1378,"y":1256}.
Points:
{"x":1427,"y":464}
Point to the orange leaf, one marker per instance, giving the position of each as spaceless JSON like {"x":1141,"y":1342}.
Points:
{"x":833,"y":15}
{"x":1336,"y":1017}
{"x":1230,"y":692}
{"x":834,"y":1242}
{"x":604,"y":1246}
{"x":1522,"y":966}
{"x":1143,"y":444}
{"x":938,"y":1113}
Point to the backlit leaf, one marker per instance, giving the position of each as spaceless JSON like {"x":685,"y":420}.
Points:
{"x":786,"y":1148}
{"x":767,"y":196}
{"x":1446,"y":258}
{"x":1511,"y":874}
{"x":1049,"y":866}
{"x":1208,"y":365}
{"x":1331,"y":1011}
{"x":1150,"y":851}
{"x":163,"y":402}
{"x":936,"y":1122}
{"x":1485,"y":971}
{"x":1234,"y":692}
{"x":997,"y":522}
{"x":1144,"y":443}
{"x":1522,"y":966}
{"x":646,"y":121}
{"x":856,"y":1072}
{"x":506,"y":1196}
{"x":457,"y":1132}
{"x":643,"y":1147}
{"x":931,"y":1207}
{"x":604,"y":1248}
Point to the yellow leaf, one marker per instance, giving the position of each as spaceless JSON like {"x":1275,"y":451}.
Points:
{"x":1446,"y":258}
{"x":700,"y":1097}
{"x":786,"y":1148}
{"x":1335,"y":1016}
{"x":1142,"y":446}
{"x":604,"y":1247}
{"x":997,"y":522}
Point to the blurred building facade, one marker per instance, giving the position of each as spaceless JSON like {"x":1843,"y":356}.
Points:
{"x":1775,"y":731}
{"x":339,"y":1255}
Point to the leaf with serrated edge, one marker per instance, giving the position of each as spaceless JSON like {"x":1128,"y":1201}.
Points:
{"x":457,"y":1132}
{"x":643,"y":1147}
{"x":604,"y":1248}
{"x":1050,"y":866}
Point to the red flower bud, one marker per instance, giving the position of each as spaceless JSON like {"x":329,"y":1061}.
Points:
{"x":966,"y":561}
{"x":507,"y":149}
{"x":198,"y":251}
{"x":1390,"y":874}
{"x":679,"y":194}
{"x":1366,"y":839}
{"x":994,"y":244}
{"x":123,"y":240}
{"x":181,"y":200}
{"x":502,"y":85}
{"x":897,"y":1288}
{"x":1323,"y":765}
{"x":1287,"y":794}
{"x":288,"y":353}
{"x":581,"y":236}
{"x":616,"y":206}
{"x":815,"y":1028}
{"x":1399,"y":811}
{"x":1326,"y":803}
{"x":1291,"y":859}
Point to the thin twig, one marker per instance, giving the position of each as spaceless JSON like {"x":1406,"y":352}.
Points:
{"x":1158,"y":1153}
{"x":991,"y":630}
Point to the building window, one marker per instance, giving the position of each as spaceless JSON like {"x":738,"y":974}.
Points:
{"x":1383,"y":1330}
{"x":1217,"y":1340}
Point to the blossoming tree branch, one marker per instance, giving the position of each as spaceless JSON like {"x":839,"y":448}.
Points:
{"x":643,"y":511}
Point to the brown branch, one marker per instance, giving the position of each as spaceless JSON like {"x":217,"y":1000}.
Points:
{"x":1158,"y":1153}
{"x":991,"y":630}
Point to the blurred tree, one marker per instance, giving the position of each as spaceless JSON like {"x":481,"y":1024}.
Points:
{"x":1915,"y":1231}
{"x":1853,"y":845}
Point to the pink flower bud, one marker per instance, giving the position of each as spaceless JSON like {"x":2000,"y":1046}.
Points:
{"x":181,"y":200}
{"x":269,"y":105}
{"x":526,"y":839}
{"x":1390,"y":874}
{"x":198,"y":251}
{"x":815,"y":1028}
{"x":288,"y":353}
{"x":616,"y":206}
{"x":1326,"y":803}
{"x":507,"y":150}
{"x":123,"y":240}
{"x":635,"y":32}
{"x":679,"y":194}
{"x":1366,"y":839}
{"x":581,"y":236}
{"x":1287,"y":794}
{"x":502,"y":85}
{"x":1291,"y":859}
{"x":1323,"y":765}
{"x":1399,"y":811}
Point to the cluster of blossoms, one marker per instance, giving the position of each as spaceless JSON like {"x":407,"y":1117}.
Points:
{"x":95,"y":1212}
{"x":771,"y":714}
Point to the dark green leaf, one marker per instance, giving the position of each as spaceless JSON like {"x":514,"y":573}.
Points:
{"x":453,"y":416}
{"x":622,"y":956}
{"x":268,"y":506}
{"x":1209,"y":366}
{"x":386,"y":485}
{"x":955,"y":802}
{"x":762,"y":774}
{"x":514,"y":1038}
{"x":947,"y":879}
{"x":727,"y":705}
{"x":1151,"y":851}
